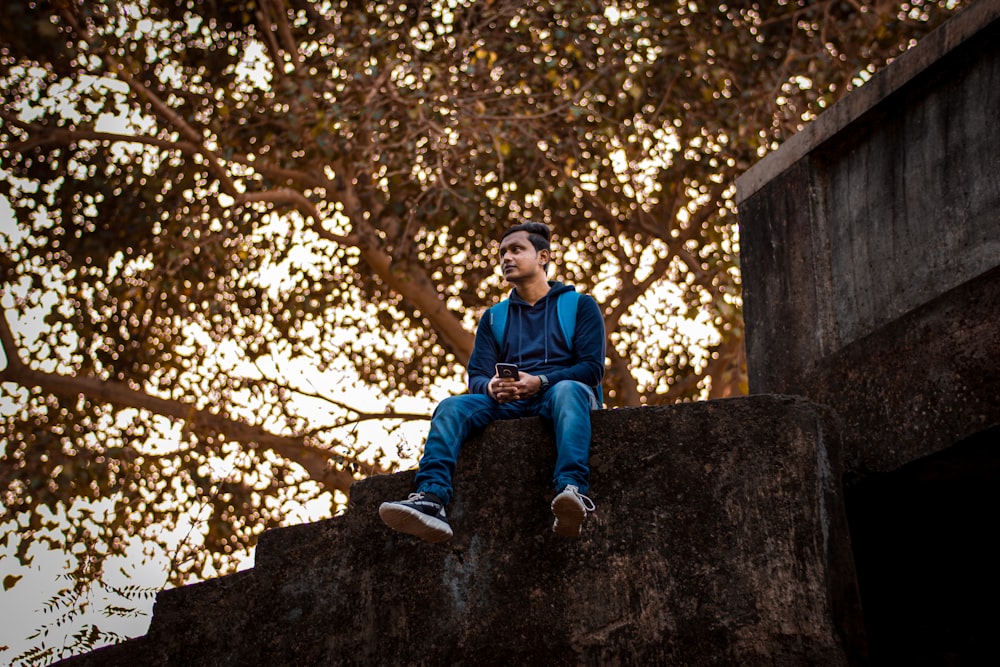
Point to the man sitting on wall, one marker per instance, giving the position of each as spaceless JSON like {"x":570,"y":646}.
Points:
{"x":540,"y":352}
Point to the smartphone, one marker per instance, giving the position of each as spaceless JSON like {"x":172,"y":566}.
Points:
{"x":507,"y":371}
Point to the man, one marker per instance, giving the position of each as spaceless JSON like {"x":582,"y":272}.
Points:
{"x":556,"y":378}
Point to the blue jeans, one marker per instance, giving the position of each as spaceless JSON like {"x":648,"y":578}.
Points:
{"x":566,"y":405}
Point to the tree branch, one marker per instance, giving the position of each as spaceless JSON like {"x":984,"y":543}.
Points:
{"x":62,"y":137}
{"x":622,"y":380}
{"x":8,"y":346}
{"x":285,"y":34}
{"x":629,"y":294}
{"x":406,"y":279}
{"x":413,"y":285}
{"x":360,"y":416}
{"x":316,"y":462}
{"x":158,"y":106}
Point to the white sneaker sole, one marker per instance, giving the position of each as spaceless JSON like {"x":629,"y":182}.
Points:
{"x":414,"y":522}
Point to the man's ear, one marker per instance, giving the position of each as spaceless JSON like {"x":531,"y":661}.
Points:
{"x":543,"y":257}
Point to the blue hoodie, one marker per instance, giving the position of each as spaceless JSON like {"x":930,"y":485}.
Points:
{"x":534,"y":341}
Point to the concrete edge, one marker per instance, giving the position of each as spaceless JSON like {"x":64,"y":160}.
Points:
{"x":942,"y":40}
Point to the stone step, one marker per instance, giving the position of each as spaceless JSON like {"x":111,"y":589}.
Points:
{"x":719,"y":537}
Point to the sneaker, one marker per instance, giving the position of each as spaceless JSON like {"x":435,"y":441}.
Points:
{"x":422,"y":515}
{"x":571,"y":508}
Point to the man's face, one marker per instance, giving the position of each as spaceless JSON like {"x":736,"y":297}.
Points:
{"x":519,"y":260}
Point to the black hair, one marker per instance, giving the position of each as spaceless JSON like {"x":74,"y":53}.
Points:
{"x":538,"y":233}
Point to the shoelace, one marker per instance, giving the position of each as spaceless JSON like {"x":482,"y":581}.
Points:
{"x":420,"y":497}
{"x":588,"y":504}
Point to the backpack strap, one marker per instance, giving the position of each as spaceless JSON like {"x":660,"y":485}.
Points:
{"x":566,"y":310}
{"x":498,"y":320}
{"x":566,"y":306}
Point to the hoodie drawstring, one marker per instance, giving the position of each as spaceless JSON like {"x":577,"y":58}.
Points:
{"x":515,"y":314}
{"x":546,"y":336}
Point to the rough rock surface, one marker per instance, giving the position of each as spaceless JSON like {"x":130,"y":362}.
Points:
{"x":719,"y":538}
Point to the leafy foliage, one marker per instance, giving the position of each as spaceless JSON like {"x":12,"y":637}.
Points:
{"x":209,"y":197}
{"x":67,"y":606}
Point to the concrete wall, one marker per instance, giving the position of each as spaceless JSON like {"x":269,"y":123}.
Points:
{"x":719,"y":538}
{"x":863,"y":232}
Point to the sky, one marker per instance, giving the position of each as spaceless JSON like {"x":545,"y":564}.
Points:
{"x":23,"y":607}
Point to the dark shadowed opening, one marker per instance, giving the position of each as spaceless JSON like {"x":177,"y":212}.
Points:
{"x":925,"y":547}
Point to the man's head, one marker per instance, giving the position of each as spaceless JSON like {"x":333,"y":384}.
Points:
{"x":538,"y":233}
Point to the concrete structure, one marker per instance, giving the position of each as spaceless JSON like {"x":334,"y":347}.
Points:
{"x":871,"y":273}
{"x":718,"y":539}
{"x":871,"y":252}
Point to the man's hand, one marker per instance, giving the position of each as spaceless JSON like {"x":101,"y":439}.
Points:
{"x":505,"y":390}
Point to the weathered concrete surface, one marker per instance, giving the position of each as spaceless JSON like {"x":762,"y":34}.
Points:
{"x":921,"y":384}
{"x":858,"y":237}
{"x":719,"y":538}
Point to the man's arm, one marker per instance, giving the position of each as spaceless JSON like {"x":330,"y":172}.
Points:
{"x":485,"y":354}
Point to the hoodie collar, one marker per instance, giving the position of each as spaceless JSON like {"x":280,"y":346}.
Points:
{"x":555,"y":288}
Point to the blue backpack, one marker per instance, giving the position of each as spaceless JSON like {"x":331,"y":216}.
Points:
{"x":566,"y":306}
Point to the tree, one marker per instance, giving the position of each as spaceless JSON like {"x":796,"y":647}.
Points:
{"x":208,"y":193}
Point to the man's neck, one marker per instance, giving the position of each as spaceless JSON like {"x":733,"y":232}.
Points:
{"x":533,"y":291}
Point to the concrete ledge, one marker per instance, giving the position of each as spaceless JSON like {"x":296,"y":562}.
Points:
{"x":838,"y":117}
{"x":922,"y":384}
{"x":719,"y":538}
